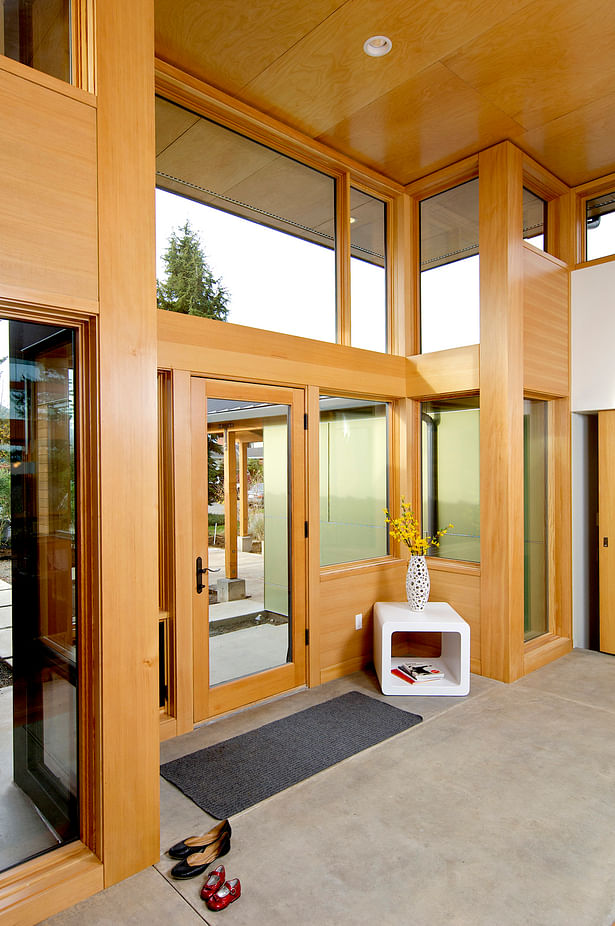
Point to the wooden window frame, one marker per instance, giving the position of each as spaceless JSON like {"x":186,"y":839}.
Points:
{"x":203,"y":100}
{"x":582,"y":194}
{"x":439,"y":182}
{"x":88,"y":584}
{"x":392,"y":489}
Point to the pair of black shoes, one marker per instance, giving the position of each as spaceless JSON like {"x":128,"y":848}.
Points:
{"x":196,"y":853}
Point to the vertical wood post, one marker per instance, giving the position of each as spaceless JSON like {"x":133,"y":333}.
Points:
{"x":128,"y":438}
{"x":501,"y":411}
{"x":230,"y":506}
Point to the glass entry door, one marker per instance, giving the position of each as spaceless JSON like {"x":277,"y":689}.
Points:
{"x":38,"y":590}
{"x":249,"y":543}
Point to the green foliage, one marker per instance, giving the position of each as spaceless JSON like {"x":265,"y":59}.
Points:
{"x":215,"y":471}
{"x":255,"y":471}
{"x":190,"y":286}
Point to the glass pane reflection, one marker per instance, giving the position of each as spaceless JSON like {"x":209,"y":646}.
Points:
{"x":249,"y":548}
{"x":38,"y":594}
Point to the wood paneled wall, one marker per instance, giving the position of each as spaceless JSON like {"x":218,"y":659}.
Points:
{"x":48,"y":230}
{"x":546,"y":328}
{"x":251,"y":354}
{"x":77,"y":247}
{"x":343,"y":594}
{"x":459,"y":584}
{"x":443,"y":372}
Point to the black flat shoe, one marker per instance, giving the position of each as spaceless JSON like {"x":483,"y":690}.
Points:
{"x":197,"y":862}
{"x":198,"y":843}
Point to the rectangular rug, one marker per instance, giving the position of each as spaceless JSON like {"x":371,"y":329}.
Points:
{"x":237,"y":773}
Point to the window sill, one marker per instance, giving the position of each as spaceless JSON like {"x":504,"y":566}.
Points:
{"x":329,"y":573}
{"x":439,"y":564}
{"x":608,"y":259}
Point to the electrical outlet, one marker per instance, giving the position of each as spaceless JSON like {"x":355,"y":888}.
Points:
{"x":358,"y":621}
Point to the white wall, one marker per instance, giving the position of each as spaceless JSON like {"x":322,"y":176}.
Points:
{"x":593,"y":337}
{"x":592,"y":389}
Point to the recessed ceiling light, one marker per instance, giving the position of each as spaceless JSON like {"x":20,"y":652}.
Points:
{"x":352,"y":220}
{"x":377,"y":45}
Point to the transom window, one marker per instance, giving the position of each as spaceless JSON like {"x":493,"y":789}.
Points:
{"x":244,"y":234}
{"x":450,"y":299}
{"x":600,"y":226}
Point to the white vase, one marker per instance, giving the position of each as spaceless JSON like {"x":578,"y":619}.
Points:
{"x":417,"y":583}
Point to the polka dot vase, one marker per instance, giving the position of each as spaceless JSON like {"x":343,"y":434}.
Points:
{"x":417,"y":583}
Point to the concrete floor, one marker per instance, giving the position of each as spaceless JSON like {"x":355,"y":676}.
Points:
{"x":498,"y":810}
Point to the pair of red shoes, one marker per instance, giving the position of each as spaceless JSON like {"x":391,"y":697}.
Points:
{"x":217,"y":892}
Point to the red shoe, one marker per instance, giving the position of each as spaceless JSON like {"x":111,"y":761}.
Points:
{"x":214,"y":882}
{"x":225,"y":896}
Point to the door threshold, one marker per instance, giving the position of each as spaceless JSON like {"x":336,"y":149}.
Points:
{"x":248,"y":707}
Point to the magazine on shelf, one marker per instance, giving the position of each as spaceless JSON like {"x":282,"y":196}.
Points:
{"x":402,"y":675}
{"x":421,"y":672}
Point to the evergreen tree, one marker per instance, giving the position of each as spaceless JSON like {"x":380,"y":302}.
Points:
{"x":190,"y":286}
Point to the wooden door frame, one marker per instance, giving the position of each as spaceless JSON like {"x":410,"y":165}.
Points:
{"x":606,"y":520}
{"x":193,"y":700}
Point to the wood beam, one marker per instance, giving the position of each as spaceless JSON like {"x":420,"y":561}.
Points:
{"x":501,"y":411}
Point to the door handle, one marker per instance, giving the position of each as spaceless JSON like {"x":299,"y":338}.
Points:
{"x":200,"y":572}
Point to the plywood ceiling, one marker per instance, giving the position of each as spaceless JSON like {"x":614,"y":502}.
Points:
{"x":462,"y":75}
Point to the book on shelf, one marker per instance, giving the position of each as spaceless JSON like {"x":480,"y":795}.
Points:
{"x":421,"y":672}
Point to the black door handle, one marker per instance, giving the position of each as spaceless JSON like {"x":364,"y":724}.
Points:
{"x":200,"y":572}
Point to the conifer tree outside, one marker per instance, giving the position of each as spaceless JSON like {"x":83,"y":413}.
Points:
{"x":190,"y":286}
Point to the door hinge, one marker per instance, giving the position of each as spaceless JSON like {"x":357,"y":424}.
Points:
{"x":305,"y":420}
{"x":307,"y":532}
{"x":307,"y":637}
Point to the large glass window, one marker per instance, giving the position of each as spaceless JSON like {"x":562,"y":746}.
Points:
{"x":244,"y":234}
{"x":450,"y":297}
{"x":535,"y":517}
{"x":451,"y":476}
{"x":368,"y":282}
{"x":38,"y":591}
{"x":600,"y":226}
{"x":353,"y":479}
{"x":37,"y":33}
{"x":534,"y":219}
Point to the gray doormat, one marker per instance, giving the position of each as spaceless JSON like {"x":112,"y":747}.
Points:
{"x":237,"y":773}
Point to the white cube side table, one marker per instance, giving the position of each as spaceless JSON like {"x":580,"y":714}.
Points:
{"x":395,"y":617}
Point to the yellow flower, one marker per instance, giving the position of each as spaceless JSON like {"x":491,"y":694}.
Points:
{"x":407,"y":530}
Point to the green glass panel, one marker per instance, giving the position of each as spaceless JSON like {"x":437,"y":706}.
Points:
{"x":535,"y":514}
{"x":353,"y":480}
{"x":451,"y":476}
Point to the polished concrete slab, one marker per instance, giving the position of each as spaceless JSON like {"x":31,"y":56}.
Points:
{"x":497,"y":810}
{"x":144,"y":898}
